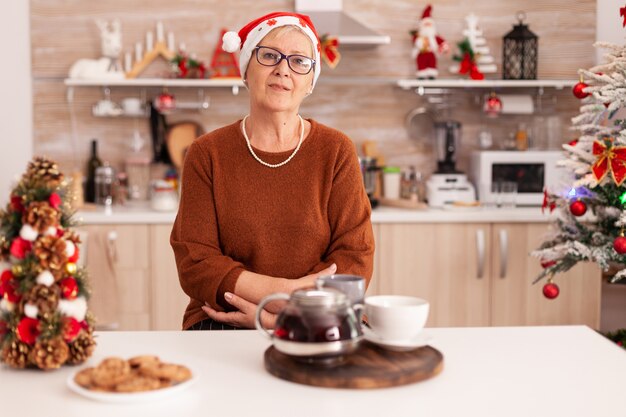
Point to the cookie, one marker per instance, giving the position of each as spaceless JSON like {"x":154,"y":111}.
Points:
{"x":110,"y":372}
{"x":143,"y":360}
{"x":167,"y":371}
{"x":84,"y":377}
{"x":138,"y":383}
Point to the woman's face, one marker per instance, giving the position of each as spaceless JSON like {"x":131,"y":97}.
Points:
{"x":278,"y":88}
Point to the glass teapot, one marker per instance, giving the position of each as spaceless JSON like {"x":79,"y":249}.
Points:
{"x":316,"y":322}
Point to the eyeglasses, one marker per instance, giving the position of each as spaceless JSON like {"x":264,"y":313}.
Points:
{"x":270,"y":57}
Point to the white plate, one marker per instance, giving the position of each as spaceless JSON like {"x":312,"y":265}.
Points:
{"x":420,"y":340}
{"x":124,"y":397}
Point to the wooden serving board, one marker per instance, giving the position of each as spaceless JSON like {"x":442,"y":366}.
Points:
{"x":369,"y":366}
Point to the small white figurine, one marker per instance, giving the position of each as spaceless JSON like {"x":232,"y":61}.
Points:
{"x":108,"y":66}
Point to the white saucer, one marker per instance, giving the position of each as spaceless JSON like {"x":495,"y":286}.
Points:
{"x":418,"y":341}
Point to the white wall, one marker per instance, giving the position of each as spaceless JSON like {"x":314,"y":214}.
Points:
{"x":609,"y":24}
{"x":16,"y":97}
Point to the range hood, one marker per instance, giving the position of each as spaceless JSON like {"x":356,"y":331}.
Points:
{"x":330,"y":19}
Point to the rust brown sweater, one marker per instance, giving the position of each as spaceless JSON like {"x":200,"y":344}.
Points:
{"x":236,"y":214}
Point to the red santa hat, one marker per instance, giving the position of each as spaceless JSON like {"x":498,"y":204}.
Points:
{"x":426,"y":12}
{"x":251,"y":34}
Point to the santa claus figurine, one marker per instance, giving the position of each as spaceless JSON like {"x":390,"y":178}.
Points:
{"x":426,"y":46}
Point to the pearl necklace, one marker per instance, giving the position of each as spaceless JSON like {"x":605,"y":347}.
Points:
{"x":245,"y":135}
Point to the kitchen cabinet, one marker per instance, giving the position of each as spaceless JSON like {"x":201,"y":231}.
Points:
{"x":480,"y":274}
{"x":168,"y":299}
{"x":515,"y":302}
{"x":117,"y":261}
{"x":445,"y":264}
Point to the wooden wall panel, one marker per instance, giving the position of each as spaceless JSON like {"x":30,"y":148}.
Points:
{"x":64,"y":31}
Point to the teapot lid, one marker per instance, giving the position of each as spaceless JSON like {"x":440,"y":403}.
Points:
{"x":319,"y":297}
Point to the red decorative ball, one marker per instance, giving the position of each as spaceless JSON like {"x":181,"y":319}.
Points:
{"x":578,"y":90}
{"x":550,"y":290}
{"x":493,"y":106}
{"x":578,"y":208}
{"x":69,"y":288}
{"x":547,"y":264}
{"x":573,"y":142}
{"x":619,"y":244}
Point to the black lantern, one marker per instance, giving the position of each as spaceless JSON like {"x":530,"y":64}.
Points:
{"x":519,"y":52}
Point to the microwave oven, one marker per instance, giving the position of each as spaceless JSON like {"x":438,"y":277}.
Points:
{"x":533,"y":171}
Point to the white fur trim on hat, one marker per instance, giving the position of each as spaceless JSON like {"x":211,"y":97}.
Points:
{"x":231,"y":42}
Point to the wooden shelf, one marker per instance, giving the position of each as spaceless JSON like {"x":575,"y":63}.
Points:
{"x":234,"y":83}
{"x":462,"y":83}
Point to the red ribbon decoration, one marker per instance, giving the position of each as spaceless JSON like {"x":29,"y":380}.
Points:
{"x":611,"y":159}
{"x":547,"y":202}
{"x":330,"y":52}
{"x":469,"y":66}
{"x":622,"y":12}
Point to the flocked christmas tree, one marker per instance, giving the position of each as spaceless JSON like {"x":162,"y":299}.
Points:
{"x":597,"y":162}
{"x":474,"y":57}
{"x":43,"y":308}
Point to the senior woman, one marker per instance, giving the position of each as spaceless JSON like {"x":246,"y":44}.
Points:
{"x":273,"y":201}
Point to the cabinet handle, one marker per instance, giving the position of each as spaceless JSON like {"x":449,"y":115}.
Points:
{"x":480,"y":252}
{"x":112,"y":247}
{"x":504,"y":250}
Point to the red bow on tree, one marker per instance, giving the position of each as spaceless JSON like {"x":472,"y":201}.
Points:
{"x":468,"y":66}
{"x":611,"y":159}
{"x":547,"y":202}
{"x":330,"y":52}
{"x":622,"y":12}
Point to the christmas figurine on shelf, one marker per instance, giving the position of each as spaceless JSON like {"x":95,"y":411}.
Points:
{"x":44,"y":321}
{"x":426,"y":45}
{"x":186,"y":66}
{"x":597,"y":162}
{"x":474,"y":57}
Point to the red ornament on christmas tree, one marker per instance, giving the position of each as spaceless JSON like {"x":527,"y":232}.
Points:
{"x":619,"y":244}
{"x":551,"y":290}
{"x":28,"y":330}
{"x":578,"y":208}
{"x":69,"y":288}
{"x":578,"y":90}
{"x":547,"y":264}
{"x":71,"y":328}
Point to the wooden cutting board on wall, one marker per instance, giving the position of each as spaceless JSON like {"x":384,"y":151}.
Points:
{"x":179,"y":138}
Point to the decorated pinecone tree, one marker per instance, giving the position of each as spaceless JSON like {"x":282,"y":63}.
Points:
{"x":597,"y":162}
{"x":44,"y":320}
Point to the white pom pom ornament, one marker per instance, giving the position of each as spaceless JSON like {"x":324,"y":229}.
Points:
{"x":231,"y":42}
{"x":70,"y":248}
{"x":45,"y":278}
{"x":31,"y":311}
{"x":28,"y":233}
{"x":74,"y":308}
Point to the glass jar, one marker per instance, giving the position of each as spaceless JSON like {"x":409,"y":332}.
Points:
{"x":105,"y":180}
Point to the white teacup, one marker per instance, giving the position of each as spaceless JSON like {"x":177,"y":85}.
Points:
{"x":396,"y":317}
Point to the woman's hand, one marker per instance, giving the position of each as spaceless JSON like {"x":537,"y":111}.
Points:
{"x":245,"y":315}
{"x":309,"y":280}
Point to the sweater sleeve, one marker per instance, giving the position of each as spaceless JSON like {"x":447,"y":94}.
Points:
{"x":352,"y":239}
{"x":205,"y":273}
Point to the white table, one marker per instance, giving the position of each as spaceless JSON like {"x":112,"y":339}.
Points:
{"x":522,"y":371}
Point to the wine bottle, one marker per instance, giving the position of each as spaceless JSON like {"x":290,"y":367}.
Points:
{"x":93,"y":163}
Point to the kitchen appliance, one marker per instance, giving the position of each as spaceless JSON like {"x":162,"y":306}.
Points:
{"x":315,"y":323}
{"x":532,"y":171}
{"x":368,"y":171}
{"x":447,"y":185}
